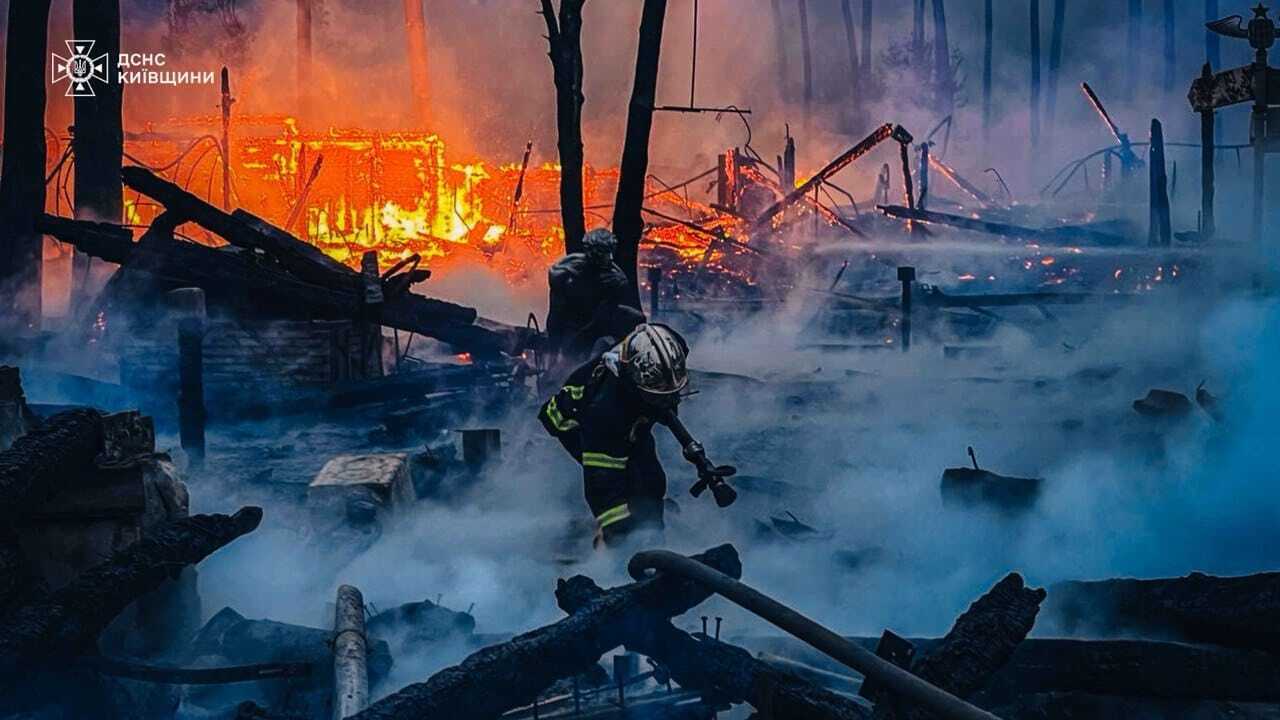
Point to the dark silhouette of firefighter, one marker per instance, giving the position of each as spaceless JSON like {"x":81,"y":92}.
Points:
{"x":588,"y":301}
{"x":604,"y":416}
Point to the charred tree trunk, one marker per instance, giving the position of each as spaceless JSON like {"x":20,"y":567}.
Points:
{"x":98,"y":142}
{"x":500,"y":677}
{"x":1055,"y":63}
{"x":47,"y":459}
{"x":917,"y":31}
{"x":988,"y":46}
{"x":851,"y":41}
{"x":868,"y":76}
{"x":22,"y":191}
{"x":942,"y":59}
{"x":982,"y":640}
{"x":49,"y":631}
{"x":628,"y":222}
{"x":1035,"y":76}
{"x":415,"y":25}
{"x":565,"y":39}
{"x":1170,"y":46}
{"x":1212,"y":40}
{"x":806,"y":60}
{"x":780,"y":39}
{"x":1133,"y":53}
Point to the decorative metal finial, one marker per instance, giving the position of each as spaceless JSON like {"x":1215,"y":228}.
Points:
{"x":1261,"y":11}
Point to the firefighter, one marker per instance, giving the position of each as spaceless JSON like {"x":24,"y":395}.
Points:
{"x":604,"y":417}
{"x":588,"y":299}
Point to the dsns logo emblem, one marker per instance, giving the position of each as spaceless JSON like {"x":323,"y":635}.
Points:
{"x":79,"y":69}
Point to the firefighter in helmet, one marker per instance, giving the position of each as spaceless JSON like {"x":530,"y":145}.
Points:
{"x":588,"y":299}
{"x":604,"y":416}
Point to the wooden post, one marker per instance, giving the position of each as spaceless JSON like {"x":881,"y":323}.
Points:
{"x":655,"y":290}
{"x":415,"y":26}
{"x":189,"y":309}
{"x":988,"y":29}
{"x":942,"y":61}
{"x":302,"y":70}
{"x":1213,"y":49}
{"x":1208,"y":226}
{"x":1258,"y":120}
{"x":923,"y":202}
{"x":789,"y":164}
{"x":227,"y":100}
{"x":22,"y":187}
{"x":1035,"y":76}
{"x":917,"y":29}
{"x":806,"y":58}
{"x":906,"y":176}
{"x":1160,"y":231}
{"x":906,"y":276}
{"x":98,"y":141}
{"x":1055,"y":63}
{"x":628,"y":224}
{"x":350,"y":650}
{"x":565,"y":39}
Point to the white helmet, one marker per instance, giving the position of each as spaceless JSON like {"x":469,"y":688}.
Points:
{"x":652,"y":358}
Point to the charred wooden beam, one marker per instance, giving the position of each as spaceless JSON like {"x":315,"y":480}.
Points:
{"x":350,"y":671}
{"x":628,"y":205}
{"x":46,"y":459}
{"x":721,"y":671}
{"x":1066,"y":233}
{"x":982,"y":640}
{"x":565,"y":39}
{"x":59,"y":626}
{"x":242,"y":229}
{"x":882,"y":133}
{"x":1140,"y":668}
{"x":501,"y":677}
{"x":1231,"y":611}
{"x":236,"y":279}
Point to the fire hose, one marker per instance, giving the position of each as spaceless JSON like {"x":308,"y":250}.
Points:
{"x":895,"y":679}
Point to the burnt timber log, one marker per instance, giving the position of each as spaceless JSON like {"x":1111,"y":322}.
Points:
{"x":242,"y":229}
{"x":1077,"y":706}
{"x":1241,"y":611}
{"x":1136,"y":668}
{"x":721,"y":671}
{"x":42,"y":462}
{"x":1063,"y":234}
{"x":57,"y":626}
{"x":238,"y":278}
{"x":512,"y":674}
{"x":980,"y":642}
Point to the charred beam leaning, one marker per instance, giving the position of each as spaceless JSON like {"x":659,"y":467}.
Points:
{"x":512,"y":674}
{"x":61,"y":625}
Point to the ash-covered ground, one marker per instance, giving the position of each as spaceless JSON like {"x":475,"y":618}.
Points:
{"x":840,"y":448}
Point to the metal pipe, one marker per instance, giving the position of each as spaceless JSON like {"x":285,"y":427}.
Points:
{"x":893,"y":678}
{"x":350,"y":650}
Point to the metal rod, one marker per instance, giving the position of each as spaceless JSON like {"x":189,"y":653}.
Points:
{"x":892,"y":677}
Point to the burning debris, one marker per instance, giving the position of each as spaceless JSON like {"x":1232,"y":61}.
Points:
{"x":334,"y":327}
